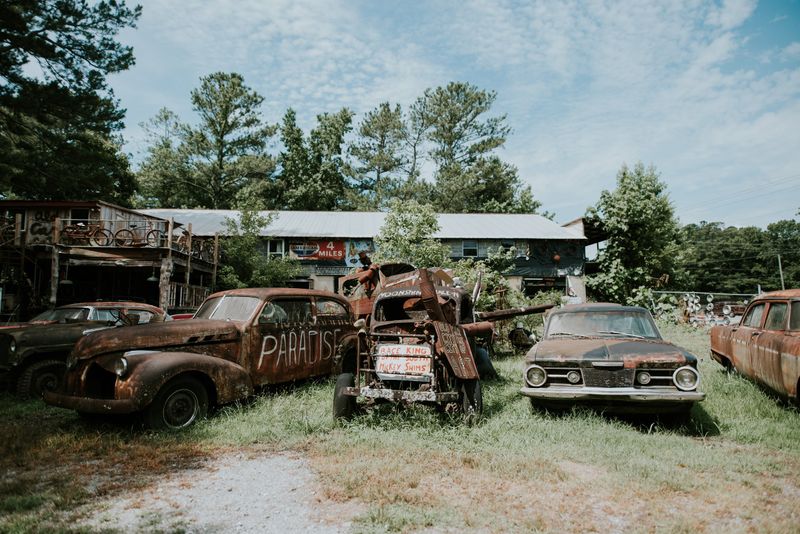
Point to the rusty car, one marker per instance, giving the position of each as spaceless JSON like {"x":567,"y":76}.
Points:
{"x":238,"y":340}
{"x":420,"y":347}
{"x":609,"y":356}
{"x":33,"y":354}
{"x":765,"y":345}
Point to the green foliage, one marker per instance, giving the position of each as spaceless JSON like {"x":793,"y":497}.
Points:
{"x":58,"y":130}
{"x":406,"y":236}
{"x":245,"y":261}
{"x":739,"y":260}
{"x":642,"y":248}
{"x":379,"y":156}
{"x":311,"y":173}
{"x":165,"y":166}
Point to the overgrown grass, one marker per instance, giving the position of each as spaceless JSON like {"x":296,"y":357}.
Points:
{"x":732,"y":467}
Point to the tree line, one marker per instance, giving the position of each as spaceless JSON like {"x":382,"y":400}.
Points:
{"x":60,"y":139}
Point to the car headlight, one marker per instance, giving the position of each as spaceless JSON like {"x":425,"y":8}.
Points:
{"x":686,"y":378}
{"x":12,"y":346}
{"x":644,"y":378}
{"x":535,"y":376}
{"x":120,"y":366}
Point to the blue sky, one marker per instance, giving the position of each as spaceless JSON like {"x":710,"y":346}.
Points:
{"x":708,"y":92}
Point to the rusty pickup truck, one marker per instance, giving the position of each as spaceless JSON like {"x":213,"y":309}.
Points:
{"x":765,"y":346}
{"x":237,"y":341}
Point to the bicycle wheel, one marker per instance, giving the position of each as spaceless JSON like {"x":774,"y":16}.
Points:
{"x":123,"y":238}
{"x":154,"y":238}
{"x":101,"y":237}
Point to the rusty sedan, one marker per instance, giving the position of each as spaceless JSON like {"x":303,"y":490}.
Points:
{"x":237,"y":341}
{"x":609,"y":356}
{"x":765,"y":346}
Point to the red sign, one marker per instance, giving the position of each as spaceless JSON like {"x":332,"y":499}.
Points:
{"x":318,"y":250}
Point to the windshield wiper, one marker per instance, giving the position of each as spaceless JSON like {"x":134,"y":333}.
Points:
{"x":618,"y":333}
{"x":566,"y":334}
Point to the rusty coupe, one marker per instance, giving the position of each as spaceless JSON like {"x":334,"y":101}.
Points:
{"x":765,"y":346}
{"x":237,"y":341}
{"x":609,"y":356}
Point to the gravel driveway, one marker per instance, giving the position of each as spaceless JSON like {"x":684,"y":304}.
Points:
{"x":240,"y":492}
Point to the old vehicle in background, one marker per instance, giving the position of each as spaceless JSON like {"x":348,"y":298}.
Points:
{"x":33,"y":354}
{"x":765,"y":346}
{"x":420,"y":347}
{"x":237,"y":341}
{"x":609,"y":356}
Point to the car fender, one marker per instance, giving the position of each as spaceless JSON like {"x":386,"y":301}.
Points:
{"x":148,"y":371}
{"x":347,"y":345}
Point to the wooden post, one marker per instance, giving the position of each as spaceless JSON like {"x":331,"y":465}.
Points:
{"x":216,"y":260}
{"x":188,"y":262}
{"x":163,"y":283}
{"x":170,"y":229}
{"x":54,"y":277}
{"x":56,"y":231}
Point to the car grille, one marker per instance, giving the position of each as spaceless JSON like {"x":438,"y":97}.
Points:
{"x":608,"y":378}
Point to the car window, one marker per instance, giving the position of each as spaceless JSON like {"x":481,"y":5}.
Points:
{"x":228,"y":308}
{"x":776,"y":316}
{"x":593,"y":323}
{"x":106,"y":314}
{"x":331,"y":308}
{"x":63,"y":314}
{"x":795,"y":318}
{"x":144,"y":315}
{"x":753,"y":318}
{"x":286,"y":311}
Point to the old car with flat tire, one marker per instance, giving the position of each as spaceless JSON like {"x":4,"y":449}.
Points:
{"x":765,"y":346}
{"x":612,"y":357}
{"x":238,"y":341}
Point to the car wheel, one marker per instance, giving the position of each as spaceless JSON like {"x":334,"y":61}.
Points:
{"x":471,"y":400}
{"x":178,"y":404}
{"x":47,"y":375}
{"x":344,"y":406}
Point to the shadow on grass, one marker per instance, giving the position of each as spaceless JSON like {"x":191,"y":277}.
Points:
{"x":697,"y":423}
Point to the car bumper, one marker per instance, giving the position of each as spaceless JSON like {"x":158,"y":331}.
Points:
{"x":87,"y":405}
{"x":633,"y":395}
{"x":401,"y":395}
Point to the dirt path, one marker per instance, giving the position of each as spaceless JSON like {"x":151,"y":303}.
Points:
{"x":244,"y":492}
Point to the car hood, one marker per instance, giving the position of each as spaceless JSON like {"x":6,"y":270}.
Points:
{"x":633,"y":352}
{"x":156,"y":336}
{"x":53,"y":333}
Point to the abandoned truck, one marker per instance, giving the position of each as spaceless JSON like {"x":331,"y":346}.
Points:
{"x":237,"y":341}
{"x":420,"y":347}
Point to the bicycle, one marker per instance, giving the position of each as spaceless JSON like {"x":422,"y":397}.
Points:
{"x":7,"y":232}
{"x":129,"y":237}
{"x":83,"y":234}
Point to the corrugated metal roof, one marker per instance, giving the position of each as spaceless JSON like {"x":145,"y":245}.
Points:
{"x":365,"y":225}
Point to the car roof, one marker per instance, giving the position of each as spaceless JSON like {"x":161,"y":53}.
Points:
{"x":267,"y":292}
{"x":597,"y":306}
{"x":113,"y":304}
{"x":783,"y":294}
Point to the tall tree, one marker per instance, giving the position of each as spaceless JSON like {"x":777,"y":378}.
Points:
{"x":461,"y":139}
{"x":311,"y":174}
{"x":407,"y":236}
{"x":642,"y":248}
{"x":379,"y":156}
{"x":165,"y":165}
{"x":58,"y":128}
{"x":226,"y":150}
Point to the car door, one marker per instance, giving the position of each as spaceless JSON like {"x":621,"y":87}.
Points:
{"x":333,"y":320}
{"x":790,"y":352}
{"x":288,"y":345}
{"x":741,"y":338}
{"x":765,"y":347}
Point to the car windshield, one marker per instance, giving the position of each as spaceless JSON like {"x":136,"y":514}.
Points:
{"x":228,"y":308}
{"x":605,"y":324}
{"x":63,"y":314}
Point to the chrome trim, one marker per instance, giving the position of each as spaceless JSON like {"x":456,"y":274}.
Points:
{"x":696,"y":374}
{"x":525,"y":375}
{"x":620,"y":394}
{"x":409,"y":378}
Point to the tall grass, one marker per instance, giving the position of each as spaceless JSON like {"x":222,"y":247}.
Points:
{"x":732,"y":467}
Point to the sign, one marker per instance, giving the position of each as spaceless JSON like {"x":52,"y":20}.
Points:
{"x":318,"y":250}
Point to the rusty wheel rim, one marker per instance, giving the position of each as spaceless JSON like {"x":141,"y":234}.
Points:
{"x":181,"y":408}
